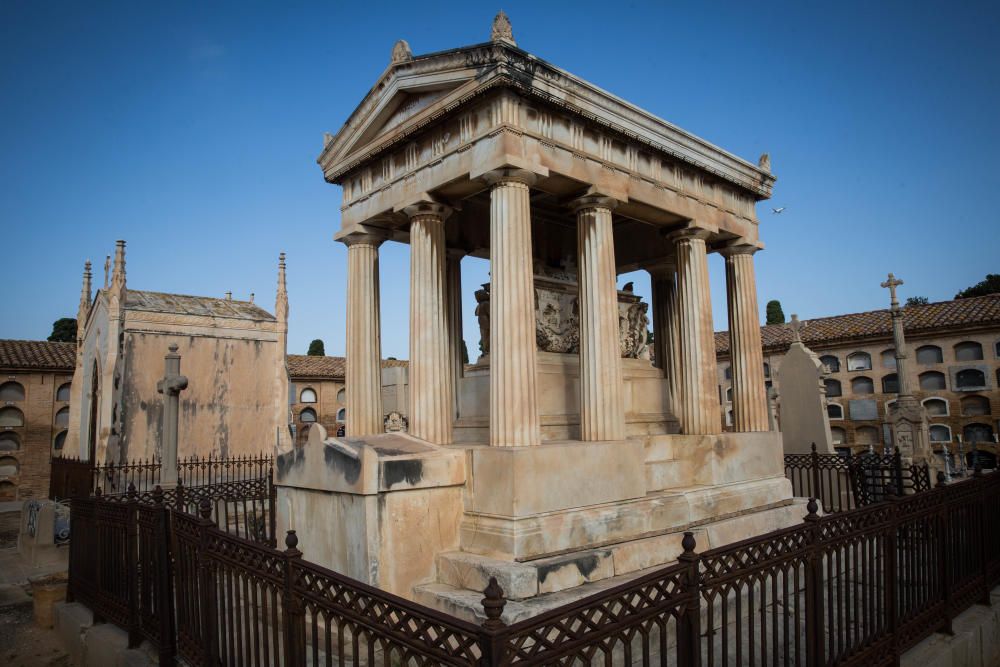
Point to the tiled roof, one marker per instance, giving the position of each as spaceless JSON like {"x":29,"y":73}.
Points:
{"x":304,"y":366}
{"x":932,"y":317}
{"x":37,"y":354}
{"x":158,"y":302}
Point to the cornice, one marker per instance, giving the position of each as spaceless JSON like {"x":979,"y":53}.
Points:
{"x":501,"y":64}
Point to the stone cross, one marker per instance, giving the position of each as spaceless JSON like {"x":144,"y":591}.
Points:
{"x":892,"y":283}
{"x":796,"y":326}
{"x":172,"y":384}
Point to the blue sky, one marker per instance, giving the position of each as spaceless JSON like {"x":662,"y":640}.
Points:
{"x":191,"y":130}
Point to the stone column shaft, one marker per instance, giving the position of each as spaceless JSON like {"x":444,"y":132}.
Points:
{"x":666,"y":333}
{"x":453,"y":287}
{"x":172,"y":384}
{"x":364,"y":338}
{"x":749,"y":392}
{"x":602,"y":409}
{"x":513,"y":385}
{"x":432,"y":401}
{"x":699,"y":399}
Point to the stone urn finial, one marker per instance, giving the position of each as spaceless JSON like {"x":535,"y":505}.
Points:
{"x":401,"y":52}
{"x":765,"y":162}
{"x":501,"y":28}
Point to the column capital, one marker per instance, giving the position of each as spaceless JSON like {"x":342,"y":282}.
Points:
{"x":366,"y":238}
{"x":510,"y":175}
{"x":592,"y":201}
{"x":661,"y":268}
{"x":427,"y":207}
{"x":688,"y":233}
{"x":740,"y":247}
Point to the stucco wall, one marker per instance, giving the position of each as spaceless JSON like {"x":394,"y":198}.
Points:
{"x":227,"y":408}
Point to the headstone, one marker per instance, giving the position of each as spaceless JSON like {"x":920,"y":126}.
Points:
{"x":804,"y":419}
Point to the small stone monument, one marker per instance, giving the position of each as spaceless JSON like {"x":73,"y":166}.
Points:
{"x":804,"y":419}
{"x":171,"y":386}
{"x":909,"y":423}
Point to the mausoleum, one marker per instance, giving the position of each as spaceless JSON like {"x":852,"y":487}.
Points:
{"x":565,"y":455}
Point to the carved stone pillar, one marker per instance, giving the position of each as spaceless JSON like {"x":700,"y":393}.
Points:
{"x":432,"y":380}
{"x":666,"y":333}
{"x":699,"y":403}
{"x":364,"y":337}
{"x":602,"y":410}
{"x":453,"y":296}
{"x":513,"y":384}
{"x":749,"y":392}
{"x":171,"y":386}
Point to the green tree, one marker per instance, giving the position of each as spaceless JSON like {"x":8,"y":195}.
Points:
{"x":991,"y":285}
{"x":917,"y":301}
{"x":316,"y":349}
{"x":63,"y":330}
{"x":775,"y":315}
{"x":465,"y":352}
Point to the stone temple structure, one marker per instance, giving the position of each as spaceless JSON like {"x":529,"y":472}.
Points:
{"x":564,"y":456}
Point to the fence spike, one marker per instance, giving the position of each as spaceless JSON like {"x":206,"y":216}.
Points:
{"x":158,"y":495}
{"x":812,"y":507}
{"x":941,"y":478}
{"x":493,"y":604}
{"x":688,"y":543}
{"x":205,"y":508}
{"x":97,"y":492}
{"x":130,"y":492}
{"x":814,"y":447}
{"x":291,"y":541}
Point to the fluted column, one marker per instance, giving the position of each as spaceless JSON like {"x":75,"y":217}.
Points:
{"x":749,"y":393}
{"x":364,"y":337}
{"x":602,"y":410}
{"x":699,"y":403}
{"x":513,"y":393}
{"x":432,"y":381}
{"x":453,"y":295}
{"x":666,"y":332}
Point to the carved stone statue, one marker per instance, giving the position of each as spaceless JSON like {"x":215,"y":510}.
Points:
{"x":483,"y":315}
{"x":395,"y":423}
{"x":765,"y":162}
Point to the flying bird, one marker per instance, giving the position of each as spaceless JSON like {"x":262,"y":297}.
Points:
{"x":777,"y":211}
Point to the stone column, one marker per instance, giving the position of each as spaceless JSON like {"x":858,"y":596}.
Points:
{"x":749,"y":392}
{"x":513,"y":392}
{"x":453,"y":290}
{"x":602,"y":409}
{"x":666,"y":334}
{"x":364,"y":342}
{"x":699,"y":404}
{"x":171,"y":386}
{"x":432,"y":380}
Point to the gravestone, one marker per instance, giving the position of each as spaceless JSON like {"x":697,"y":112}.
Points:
{"x":804,"y":419}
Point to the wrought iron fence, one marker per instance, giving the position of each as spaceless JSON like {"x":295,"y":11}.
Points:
{"x":857,"y":587}
{"x":71,"y":477}
{"x":848,"y":481}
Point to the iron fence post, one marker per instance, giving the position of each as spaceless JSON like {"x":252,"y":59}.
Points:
{"x":164,"y":583}
{"x":814,"y":474}
{"x":814,"y":589}
{"x":689,"y":622}
{"x":294,"y":625}
{"x":891,"y":599}
{"x":272,"y":498}
{"x":97,"y":555}
{"x":984,"y":526}
{"x":942,"y":557}
{"x":491,"y":641}
{"x":132,"y":566}
{"x":206,"y":583}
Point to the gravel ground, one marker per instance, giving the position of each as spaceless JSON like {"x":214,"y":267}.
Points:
{"x":22,"y":643}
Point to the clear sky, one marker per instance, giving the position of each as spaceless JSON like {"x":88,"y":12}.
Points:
{"x":191,"y":129}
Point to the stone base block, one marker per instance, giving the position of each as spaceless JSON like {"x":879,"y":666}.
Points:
{"x":72,"y":620}
{"x":523,"y":481}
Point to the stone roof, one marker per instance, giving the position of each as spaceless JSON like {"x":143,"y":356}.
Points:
{"x":37,"y":354}
{"x":301,"y":366}
{"x":917,"y":320}
{"x":206,"y":306}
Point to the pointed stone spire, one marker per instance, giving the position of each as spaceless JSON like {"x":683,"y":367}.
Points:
{"x":501,"y":30}
{"x":85,"y":299}
{"x":118,"y":275}
{"x":107,"y":270}
{"x":281,"y":298}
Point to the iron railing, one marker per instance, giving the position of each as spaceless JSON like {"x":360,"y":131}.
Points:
{"x":857,"y":587}
{"x":848,"y":481}
{"x":71,"y":477}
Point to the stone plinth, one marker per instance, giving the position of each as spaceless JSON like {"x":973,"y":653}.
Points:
{"x":804,"y":418}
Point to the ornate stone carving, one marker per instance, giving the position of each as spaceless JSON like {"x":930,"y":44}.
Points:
{"x":501,"y":28}
{"x":765,"y":162}
{"x":557,"y":314}
{"x":395,"y":423}
{"x":401,"y":52}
